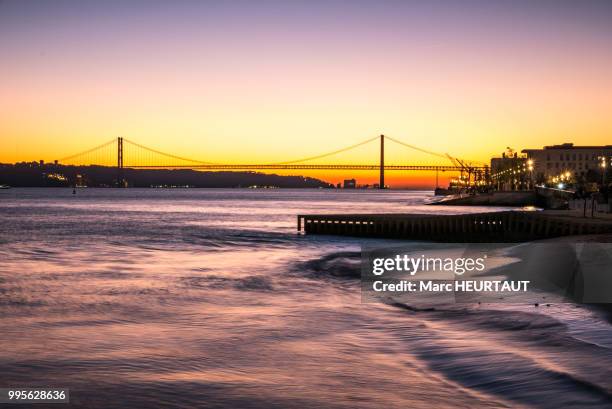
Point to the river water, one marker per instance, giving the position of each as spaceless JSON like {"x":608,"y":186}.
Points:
{"x":208,"y":298}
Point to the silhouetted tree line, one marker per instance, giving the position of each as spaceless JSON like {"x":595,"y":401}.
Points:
{"x":34,"y":174}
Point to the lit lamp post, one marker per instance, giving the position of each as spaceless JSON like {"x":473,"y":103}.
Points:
{"x":530,"y":168}
{"x":603,"y":170}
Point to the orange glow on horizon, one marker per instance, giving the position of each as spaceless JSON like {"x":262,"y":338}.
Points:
{"x":294,"y":83}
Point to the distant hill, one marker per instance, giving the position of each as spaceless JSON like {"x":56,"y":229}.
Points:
{"x":33,"y":174}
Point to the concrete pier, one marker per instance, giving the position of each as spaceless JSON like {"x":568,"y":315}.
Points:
{"x":509,"y":226}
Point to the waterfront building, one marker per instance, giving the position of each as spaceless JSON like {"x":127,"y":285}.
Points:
{"x":511,"y":171}
{"x":350,"y":184}
{"x":579,"y":163}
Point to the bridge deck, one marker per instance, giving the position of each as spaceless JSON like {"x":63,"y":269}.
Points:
{"x":441,"y":168}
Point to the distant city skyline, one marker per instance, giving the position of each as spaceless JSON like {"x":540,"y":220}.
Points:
{"x":264,"y":81}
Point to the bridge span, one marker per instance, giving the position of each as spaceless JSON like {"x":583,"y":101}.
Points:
{"x":129,"y":154}
{"x":441,"y":168}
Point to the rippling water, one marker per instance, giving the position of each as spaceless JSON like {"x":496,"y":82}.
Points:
{"x":209,"y":298}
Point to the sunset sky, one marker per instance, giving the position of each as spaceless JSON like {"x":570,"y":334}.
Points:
{"x":270,"y":81}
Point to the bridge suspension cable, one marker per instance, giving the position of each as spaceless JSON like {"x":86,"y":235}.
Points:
{"x":88,"y":151}
{"x":441,"y":155}
{"x":416,"y":147}
{"x":168,"y":155}
{"x":324,"y":155}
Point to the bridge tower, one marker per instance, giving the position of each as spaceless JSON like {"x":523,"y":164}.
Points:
{"x":382,"y":162}
{"x":120,"y":181}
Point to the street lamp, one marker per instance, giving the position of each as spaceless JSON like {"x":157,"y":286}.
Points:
{"x":530,"y":168}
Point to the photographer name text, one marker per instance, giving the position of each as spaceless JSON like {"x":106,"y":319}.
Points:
{"x":453,"y":286}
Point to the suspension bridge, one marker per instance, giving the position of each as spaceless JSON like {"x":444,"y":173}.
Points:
{"x":128,"y":154}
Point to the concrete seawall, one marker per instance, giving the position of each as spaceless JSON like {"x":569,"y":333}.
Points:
{"x":544,"y":197}
{"x":510,"y":226}
{"x":514,"y":199}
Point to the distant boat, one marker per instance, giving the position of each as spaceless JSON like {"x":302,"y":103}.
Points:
{"x":5,"y":187}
